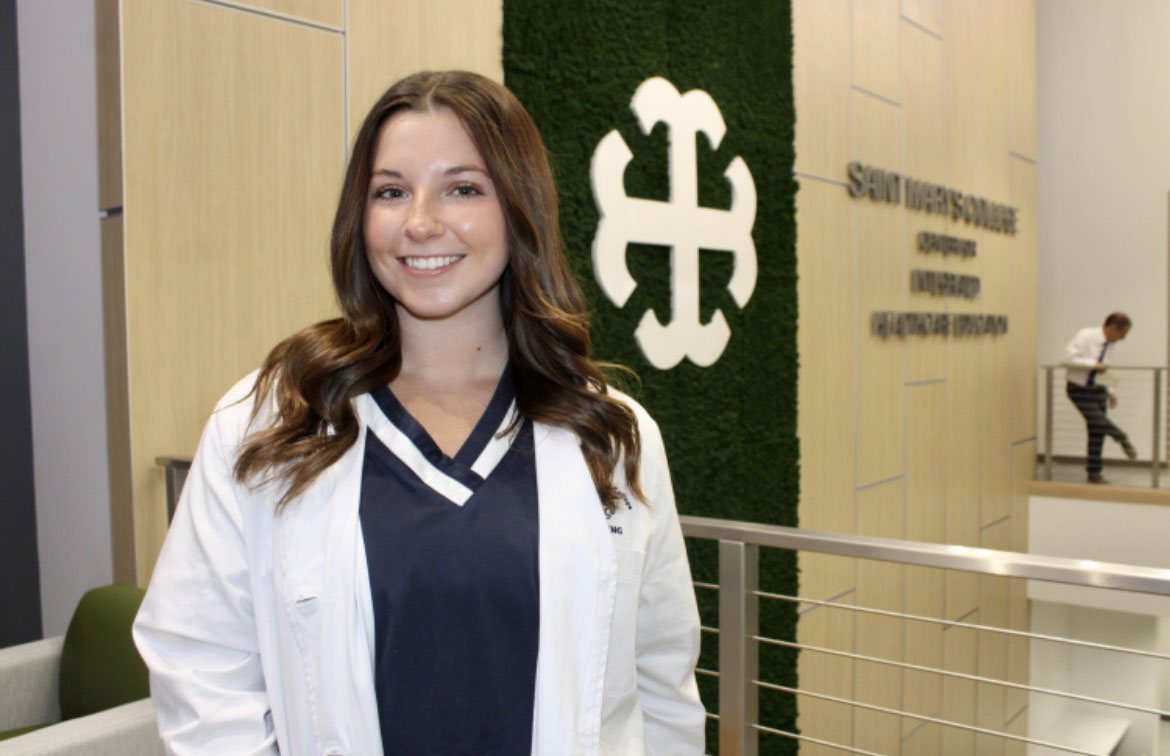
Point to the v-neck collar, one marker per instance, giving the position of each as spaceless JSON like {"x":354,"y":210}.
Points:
{"x":456,"y":478}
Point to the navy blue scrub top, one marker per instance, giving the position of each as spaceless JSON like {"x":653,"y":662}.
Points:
{"x":455,"y":587}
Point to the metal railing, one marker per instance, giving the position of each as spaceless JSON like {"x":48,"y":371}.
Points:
{"x":1148,"y":379}
{"x":175,"y":469}
{"x":739,"y":638}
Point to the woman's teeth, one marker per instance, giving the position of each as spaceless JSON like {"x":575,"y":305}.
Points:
{"x":430,"y":263}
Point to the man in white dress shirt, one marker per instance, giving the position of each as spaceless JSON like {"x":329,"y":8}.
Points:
{"x":1086,"y":358}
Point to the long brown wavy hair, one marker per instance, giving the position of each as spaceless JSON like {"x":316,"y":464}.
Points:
{"x":311,"y":377}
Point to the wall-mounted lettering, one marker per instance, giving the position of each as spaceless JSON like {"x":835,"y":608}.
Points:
{"x":881,"y":185}
{"x":948,"y":245}
{"x":903,"y":324}
{"x":944,"y":284}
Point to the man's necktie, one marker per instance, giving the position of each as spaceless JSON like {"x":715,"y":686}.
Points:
{"x":1093,"y":373}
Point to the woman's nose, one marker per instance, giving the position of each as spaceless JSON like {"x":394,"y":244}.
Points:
{"x":423,"y":222}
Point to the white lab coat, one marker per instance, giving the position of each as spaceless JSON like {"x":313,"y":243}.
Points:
{"x":258,"y":628}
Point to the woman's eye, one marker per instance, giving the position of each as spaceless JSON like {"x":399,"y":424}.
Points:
{"x":466,"y":190}
{"x":388,"y":192}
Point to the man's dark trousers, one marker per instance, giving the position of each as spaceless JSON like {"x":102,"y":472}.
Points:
{"x":1091,"y":401}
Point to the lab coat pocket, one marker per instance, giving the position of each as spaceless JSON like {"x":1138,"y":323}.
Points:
{"x":621,"y":672}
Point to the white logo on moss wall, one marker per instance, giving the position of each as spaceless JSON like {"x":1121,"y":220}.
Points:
{"x":680,"y":223}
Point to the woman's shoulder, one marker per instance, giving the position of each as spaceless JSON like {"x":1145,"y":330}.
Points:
{"x":236,"y":409}
{"x":640,"y":412}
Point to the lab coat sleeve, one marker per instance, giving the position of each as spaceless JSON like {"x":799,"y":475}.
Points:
{"x":196,"y":629}
{"x":668,"y":618}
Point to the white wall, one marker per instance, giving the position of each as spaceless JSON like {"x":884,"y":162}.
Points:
{"x":1099,"y":673}
{"x":1103,"y":193}
{"x":58,"y":114}
{"x":1103,"y":116}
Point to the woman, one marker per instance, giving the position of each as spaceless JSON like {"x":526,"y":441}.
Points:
{"x":429,"y":527}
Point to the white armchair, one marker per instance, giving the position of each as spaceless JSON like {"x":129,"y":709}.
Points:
{"x":31,"y":696}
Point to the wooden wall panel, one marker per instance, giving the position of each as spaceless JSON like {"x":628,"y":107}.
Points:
{"x":941,"y":91}
{"x":876,"y":60}
{"x":995,"y":117}
{"x":880,"y":585}
{"x":927,"y":14}
{"x":925,"y":521}
{"x":960,"y":650}
{"x":231,"y":171}
{"x":325,"y":12}
{"x":109,"y":94}
{"x":826,"y":627}
{"x":1021,"y":23}
{"x":993,"y":647}
{"x":924,"y":740}
{"x":963,"y":58}
{"x":925,"y":160}
{"x":821,"y":88}
{"x":881,"y":265}
{"x":825,"y":406}
{"x":1022,"y":310}
{"x":386,"y":41}
{"x":122,"y":525}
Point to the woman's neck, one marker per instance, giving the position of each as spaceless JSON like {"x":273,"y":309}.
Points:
{"x":453,"y":351}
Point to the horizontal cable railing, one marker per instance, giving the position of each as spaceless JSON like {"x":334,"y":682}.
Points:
{"x":1140,"y":410}
{"x":739,"y":637}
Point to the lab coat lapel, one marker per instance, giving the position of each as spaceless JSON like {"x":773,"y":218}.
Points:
{"x":577,"y":581}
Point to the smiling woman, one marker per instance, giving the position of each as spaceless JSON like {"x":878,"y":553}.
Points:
{"x":430,"y":526}
{"x":434,"y":228}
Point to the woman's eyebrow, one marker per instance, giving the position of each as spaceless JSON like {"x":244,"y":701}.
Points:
{"x":465,"y":169}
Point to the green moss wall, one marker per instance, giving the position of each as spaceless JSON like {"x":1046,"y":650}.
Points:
{"x":730,"y":428}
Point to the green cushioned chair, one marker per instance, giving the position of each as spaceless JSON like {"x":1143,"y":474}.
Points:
{"x":86,"y":692}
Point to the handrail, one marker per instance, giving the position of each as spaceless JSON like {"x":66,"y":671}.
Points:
{"x":1085,"y":572}
{"x":1156,"y":431}
{"x":739,"y":637}
{"x":175,"y":469}
{"x":1108,"y":367}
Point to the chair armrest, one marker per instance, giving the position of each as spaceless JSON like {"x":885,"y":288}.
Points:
{"x":29,"y":675}
{"x":126,"y":730}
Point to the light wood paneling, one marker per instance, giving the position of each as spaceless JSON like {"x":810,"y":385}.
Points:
{"x":1021,"y":23}
{"x":386,"y":41}
{"x":826,"y":627}
{"x":1022,"y":311}
{"x":881,"y":277}
{"x":109,"y":96}
{"x":996,"y":431}
{"x":122,"y":529}
{"x":925,"y":13}
{"x":880,"y":585}
{"x":925,"y":521}
{"x":325,"y":12}
{"x":821,"y":88}
{"x":925,"y":160}
{"x":993,"y":647}
{"x":924,"y":740}
{"x":825,"y":407}
{"x":1019,"y":608}
{"x":926,"y":488}
{"x":876,"y":63}
{"x":942,"y":91}
{"x":963,"y":59}
{"x":995,"y":114}
{"x":960,"y":646}
{"x":232,"y":169}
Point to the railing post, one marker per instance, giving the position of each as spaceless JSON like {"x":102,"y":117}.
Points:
{"x":175,"y":469}
{"x":738,"y":651}
{"x":1049,"y":371}
{"x":1154,"y":455}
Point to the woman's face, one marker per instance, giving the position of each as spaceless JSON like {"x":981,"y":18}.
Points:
{"x":434,"y":228}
